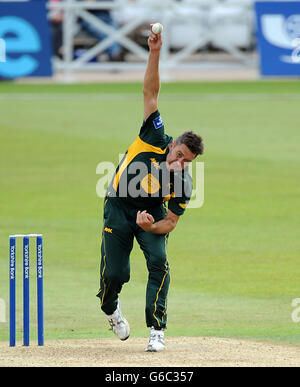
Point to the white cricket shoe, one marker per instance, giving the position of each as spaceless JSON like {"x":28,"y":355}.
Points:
{"x":156,"y":341}
{"x":119,"y":324}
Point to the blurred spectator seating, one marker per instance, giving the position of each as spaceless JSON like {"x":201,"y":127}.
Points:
{"x":87,"y":35}
{"x":219,"y":24}
{"x":231,"y":24}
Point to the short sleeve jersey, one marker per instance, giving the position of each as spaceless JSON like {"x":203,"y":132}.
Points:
{"x":142,"y":179}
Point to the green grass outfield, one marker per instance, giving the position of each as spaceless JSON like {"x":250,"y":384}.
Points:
{"x":234,"y":262}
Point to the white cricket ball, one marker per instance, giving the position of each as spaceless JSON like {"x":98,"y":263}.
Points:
{"x":157,"y":28}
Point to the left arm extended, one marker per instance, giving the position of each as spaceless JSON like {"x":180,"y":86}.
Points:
{"x":164,"y":226}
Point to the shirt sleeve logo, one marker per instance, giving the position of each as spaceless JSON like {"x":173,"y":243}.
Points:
{"x":158,"y":122}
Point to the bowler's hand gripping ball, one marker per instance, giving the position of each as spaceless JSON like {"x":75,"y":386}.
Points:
{"x":157,"y":28}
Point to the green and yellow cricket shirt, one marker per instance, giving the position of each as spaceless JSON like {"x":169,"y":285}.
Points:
{"x":142,"y":180}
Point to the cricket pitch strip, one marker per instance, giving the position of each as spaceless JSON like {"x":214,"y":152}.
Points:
{"x":180,"y":352}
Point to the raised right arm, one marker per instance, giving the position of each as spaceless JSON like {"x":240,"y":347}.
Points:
{"x":151,"y":79}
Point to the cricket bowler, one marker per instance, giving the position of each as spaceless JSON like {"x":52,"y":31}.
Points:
{"x":149,"y":192}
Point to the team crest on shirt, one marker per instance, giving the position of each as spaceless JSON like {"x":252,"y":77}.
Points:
{"x":158,"y":122}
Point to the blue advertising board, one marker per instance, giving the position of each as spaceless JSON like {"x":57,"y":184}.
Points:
{"x":278,"y":33}
{"x":25,"y":38}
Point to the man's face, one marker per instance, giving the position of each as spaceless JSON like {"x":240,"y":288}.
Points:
{"x":178,"y":157}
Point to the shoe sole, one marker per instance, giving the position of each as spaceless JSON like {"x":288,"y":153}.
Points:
{"x":154,"y":350}
{"x":125,"y":338}
{"x":128,"y":329}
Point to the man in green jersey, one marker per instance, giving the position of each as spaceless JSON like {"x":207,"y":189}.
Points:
{"x":152,"y":173}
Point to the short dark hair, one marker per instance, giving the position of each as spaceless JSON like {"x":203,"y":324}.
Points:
{"x":192,"y":141}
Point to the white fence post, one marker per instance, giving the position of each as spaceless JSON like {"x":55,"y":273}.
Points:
{"x":68,"y":39}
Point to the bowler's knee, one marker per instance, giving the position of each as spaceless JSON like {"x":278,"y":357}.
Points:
{"x":158,"y":262}
{"x":116,"y":278}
